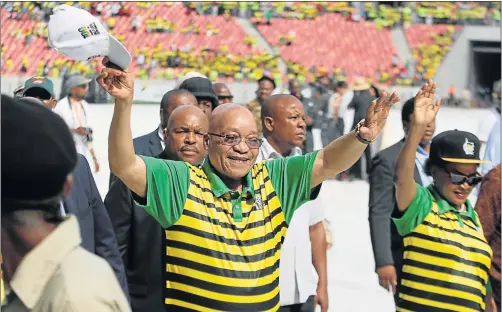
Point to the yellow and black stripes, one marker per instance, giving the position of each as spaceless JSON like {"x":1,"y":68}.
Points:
{"x":445,"y":265}
{"x":214,"y":263}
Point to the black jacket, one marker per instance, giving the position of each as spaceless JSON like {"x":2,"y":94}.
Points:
{"x":84,"y":201}
{"x":140,"y":241}
{"x":145,"y":145}
{"x":387,"y":245}
{"x":360,"y":103}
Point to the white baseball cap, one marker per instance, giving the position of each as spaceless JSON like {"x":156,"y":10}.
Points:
{"x":80,"y":36}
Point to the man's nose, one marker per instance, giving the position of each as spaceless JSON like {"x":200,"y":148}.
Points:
{"x":242,"y":147}
{"x":190,"y":138}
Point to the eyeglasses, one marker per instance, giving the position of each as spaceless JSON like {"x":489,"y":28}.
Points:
{"x":459,"y":179}
{"x":225,"y":97}
{"x":233,"y":140}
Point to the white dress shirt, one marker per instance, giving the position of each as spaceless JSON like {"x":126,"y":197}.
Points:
{"x":161,"y":136}
{"x":298,"y":277}
{"x":66,"y":111}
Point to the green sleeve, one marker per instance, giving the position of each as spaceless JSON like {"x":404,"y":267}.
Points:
{"x":416,"y":212}
{"x":292,"y":181}
{"x":166,"y":190}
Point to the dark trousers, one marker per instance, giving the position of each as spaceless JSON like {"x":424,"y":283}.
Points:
{"x":308,"y":306}
{"x":496,"y":291}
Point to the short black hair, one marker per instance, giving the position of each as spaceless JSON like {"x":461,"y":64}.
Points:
{"x":267,"y":78}
{"x":429,"y":163}
{"x":341,"y":84}
{"x":407,"y":109}
{"x":164,"y":103}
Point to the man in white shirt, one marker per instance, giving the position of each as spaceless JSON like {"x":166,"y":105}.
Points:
{"x":75,"y":112}
{"x":303,"y":271}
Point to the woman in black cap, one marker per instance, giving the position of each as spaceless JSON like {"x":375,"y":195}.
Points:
{"x":446,"y":259}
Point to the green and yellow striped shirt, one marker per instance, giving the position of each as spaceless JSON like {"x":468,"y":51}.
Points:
{"x":446,"y":257}
{"x":223,"y":247}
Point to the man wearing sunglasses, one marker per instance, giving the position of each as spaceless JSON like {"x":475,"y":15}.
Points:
{"x":446,"y":258}
{"x":225,"y":222}
{"x":223,"y":93}
{"x":75,"y":111}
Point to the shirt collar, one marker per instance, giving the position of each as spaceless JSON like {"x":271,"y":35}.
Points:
{"x":269,"y":152}
{"x":420,"y":150}
{"x":161,"y":133}
{"x":444,"y":206}
{"x":218,"y":186}
{"x":42,"y":262}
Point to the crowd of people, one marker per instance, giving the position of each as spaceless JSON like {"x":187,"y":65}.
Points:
{"x":216,"y":208}
{"x":173,"y":62}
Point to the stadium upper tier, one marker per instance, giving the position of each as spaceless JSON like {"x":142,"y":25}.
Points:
{"x":168,"y":39}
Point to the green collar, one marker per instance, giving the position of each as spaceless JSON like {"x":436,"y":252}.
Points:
{"x":444,"y":206}
{"x":218,"y":186}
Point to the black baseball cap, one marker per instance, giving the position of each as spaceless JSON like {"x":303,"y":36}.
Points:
{"x":201,"y":88}
{"x":38,"y":153}
{"x":42,"y":84}
{"x":457,"y":147}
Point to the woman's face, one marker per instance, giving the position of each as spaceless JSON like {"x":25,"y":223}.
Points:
{"x":453,"y":179}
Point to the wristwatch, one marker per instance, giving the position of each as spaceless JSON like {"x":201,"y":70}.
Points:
{"x":358,"y":133}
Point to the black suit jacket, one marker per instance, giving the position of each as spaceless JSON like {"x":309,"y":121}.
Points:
{"x":387,"y":245}
{"x":140,"y":241}
{"x":96,"y":229}
{"x":360,"y":103}
{"x":145,"y":145}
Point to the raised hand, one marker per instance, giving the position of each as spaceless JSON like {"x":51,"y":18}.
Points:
{"x":425,"y":111}
{"x":119,"y":84}
{"x":376,"y":116}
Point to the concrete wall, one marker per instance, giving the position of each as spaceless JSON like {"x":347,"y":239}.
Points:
{"x":455,"y":68}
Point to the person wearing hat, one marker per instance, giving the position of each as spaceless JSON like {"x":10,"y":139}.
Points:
{"x":202,"y":89}
{"x":75,"y":111}
{"x":266,"y":86}
{"x":446,"y":258}
{"x":41,"y":88}
{"x":360,"y":103}
{"x":44,"y":265}
{"x":223,"y":93}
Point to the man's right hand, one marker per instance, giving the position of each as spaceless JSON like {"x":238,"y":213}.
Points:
{"x":387,"y":277}
{"x":119,"y":84}
{"x":81,"y":131}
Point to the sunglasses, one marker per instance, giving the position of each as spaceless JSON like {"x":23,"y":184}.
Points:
{"x":225,"y":97}
{"x":459,"y":179}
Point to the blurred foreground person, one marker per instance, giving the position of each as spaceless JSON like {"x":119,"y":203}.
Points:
{"x":488,"y":208}
{"x":386,"y":242}
{"x":225,"y":222}
{"x":223,"y":93}
{"x":45,"y":267}
{"x":139,"y":236}
{"x":84,"y":202}
{"x":303,"y":270}
{"x":446,"y":258}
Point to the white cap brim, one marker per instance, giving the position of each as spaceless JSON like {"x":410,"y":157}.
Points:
{"x":118,"y":54}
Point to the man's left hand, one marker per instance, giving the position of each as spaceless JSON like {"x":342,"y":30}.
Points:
{"x":376,"y":116}
{"x":322,"y":298}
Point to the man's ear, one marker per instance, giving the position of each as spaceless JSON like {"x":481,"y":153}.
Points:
{"x":268,"y":123}
{"x":206,"y":141}
{"x":166,"y":133}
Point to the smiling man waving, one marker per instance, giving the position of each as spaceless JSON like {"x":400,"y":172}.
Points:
{"x":225,"y":222}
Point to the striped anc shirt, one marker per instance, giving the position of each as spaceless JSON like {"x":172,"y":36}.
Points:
{"x":223,"y":247}
{"x":446,"y":257}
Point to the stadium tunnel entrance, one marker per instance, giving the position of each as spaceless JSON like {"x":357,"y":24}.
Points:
{"x":485,"y":68}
